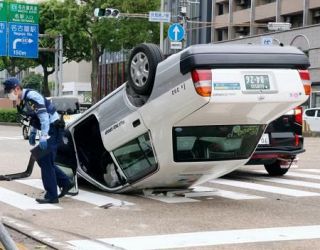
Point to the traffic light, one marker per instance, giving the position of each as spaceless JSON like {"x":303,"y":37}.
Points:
{"x":112,"y":13}
{"x":108,"y":12}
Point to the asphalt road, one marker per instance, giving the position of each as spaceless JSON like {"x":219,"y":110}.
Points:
{"x":244,"y":210}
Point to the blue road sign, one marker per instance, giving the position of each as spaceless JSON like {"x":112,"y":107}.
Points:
{"x":3,"y":38}
{"x":176,"y":32}
{"x":23,"y":40}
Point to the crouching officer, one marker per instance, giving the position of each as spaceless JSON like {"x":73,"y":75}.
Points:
{"x":45,"y":118}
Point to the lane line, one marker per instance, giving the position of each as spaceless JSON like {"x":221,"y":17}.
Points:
{"x":22,"y":201}
{"x":265,"y":188}
{"x":208,"y":238}
{"x":85,"y":196}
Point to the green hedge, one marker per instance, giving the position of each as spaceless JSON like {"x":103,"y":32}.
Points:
{"x":8,"y":115}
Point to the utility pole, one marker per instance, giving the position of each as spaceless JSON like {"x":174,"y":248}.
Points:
{"x":161,"y":27}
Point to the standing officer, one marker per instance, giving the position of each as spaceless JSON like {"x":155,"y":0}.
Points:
{"x":45,"y":118}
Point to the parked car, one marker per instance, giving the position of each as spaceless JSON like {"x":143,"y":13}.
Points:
{"x":280,"y":144}
{"x":66,"y":106}
{"x":178,"y":122}
{"x":312,"y":118}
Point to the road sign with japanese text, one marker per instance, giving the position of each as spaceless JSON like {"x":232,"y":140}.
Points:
{"x":23,"y":40}
{"x":23,"y":13}
{"x":3,"y":11}
{"x":3,"y":38}
{"x":157,"y":16}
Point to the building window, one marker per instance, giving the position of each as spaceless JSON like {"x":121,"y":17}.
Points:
{"x":295,"y":20}
{"x":315,"y":15}
{"x":222,"y":34}
{"x":263,"y":2}
{"x":243,"y":4}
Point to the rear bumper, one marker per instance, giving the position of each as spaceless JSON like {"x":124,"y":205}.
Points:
{"x":267,"y":156}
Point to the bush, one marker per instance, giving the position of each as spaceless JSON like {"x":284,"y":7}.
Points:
{"x":8,"y":115}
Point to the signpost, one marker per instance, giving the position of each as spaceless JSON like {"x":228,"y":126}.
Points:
{"x":19,"y":30}
{"x":157,"y":16}
{"x":176,"y":32}
{"x":3,"y":29}
{"x":3,"y":38}
{"x":23,"y":40}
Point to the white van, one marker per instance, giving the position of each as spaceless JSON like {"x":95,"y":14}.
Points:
{"x":179,"y":122}
{"x":312,"y":118}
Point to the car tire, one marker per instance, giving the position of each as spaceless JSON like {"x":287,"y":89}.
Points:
{"x":276,"y":168}
{"x":142,"y":66}
{"x":25,"y":132}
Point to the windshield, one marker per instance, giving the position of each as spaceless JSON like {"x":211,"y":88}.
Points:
{"x":215,"y":143}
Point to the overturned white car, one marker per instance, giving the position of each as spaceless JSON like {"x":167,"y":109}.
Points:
{"x":179,"y":122}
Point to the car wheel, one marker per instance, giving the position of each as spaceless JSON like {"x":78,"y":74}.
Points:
{"x":142,"y":67}
{"x":25,"y":132}
{"x":277,"y":168}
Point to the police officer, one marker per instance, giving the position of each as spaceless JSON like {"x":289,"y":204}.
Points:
{"x":45,"y":118}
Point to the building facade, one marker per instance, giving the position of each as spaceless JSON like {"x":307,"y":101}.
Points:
{"x":246,"y":21}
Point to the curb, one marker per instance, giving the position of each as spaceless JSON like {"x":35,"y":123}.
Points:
{"x":10,"y":124}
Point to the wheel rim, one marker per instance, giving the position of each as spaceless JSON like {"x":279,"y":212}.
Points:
{"x":139,"y":69}
{"x":25,"y":132}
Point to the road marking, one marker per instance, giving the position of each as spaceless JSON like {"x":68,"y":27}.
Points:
{"x":85,"y":196}
{"x":208,"y":238}
{"x":206,"y":191}
{"x":171,"y":198}
{"x":264,"y":188}
{"x":2,"y":138}
{"x":21,"y":201}
{"x":295,"y":174}
{"x":289,"y":182}
{"x":311,"y":170}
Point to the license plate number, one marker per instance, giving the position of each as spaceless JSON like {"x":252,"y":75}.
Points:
{"x":257,"y":82}
{"x":264,"y":140}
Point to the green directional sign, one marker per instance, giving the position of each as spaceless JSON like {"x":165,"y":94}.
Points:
{"x":3,"y":11}
{"x":23,"y":13}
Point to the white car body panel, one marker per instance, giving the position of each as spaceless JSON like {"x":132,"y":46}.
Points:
{"x":174,"y":103}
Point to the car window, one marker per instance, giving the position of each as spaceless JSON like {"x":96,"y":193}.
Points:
{"x":311,"y":112}
{"x":214,"y":143}
{"x":136,"y":158}
{"x":318,"y":113}
{"x":66,"y":105}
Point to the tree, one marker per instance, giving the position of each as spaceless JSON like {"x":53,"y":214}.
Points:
{"x":15,"y":65}
{"x":54,"y":20}
{"x":32,"y":81}
{"x":110,"y":34}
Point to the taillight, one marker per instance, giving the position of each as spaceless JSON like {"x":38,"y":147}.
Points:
{"x":298,"y":115}
{"x":202,"y":80}
{"x":305,"y":78}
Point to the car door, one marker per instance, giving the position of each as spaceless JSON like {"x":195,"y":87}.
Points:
{"x":312,"y":119}
{"x":316,"y":122}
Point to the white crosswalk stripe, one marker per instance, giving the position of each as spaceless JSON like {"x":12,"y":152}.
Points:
{"x":299,"y":174}
{"x":198,"y":193}
{"x":311,"y":170}
{"x":264,"y":188}
{"x":202,"y":239}
{"x":289,"y":182}
{"x":85,"y":196}
{"x":21,"y":201}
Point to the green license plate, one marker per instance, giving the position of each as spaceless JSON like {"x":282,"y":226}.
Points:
{"x":257,"y":82}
